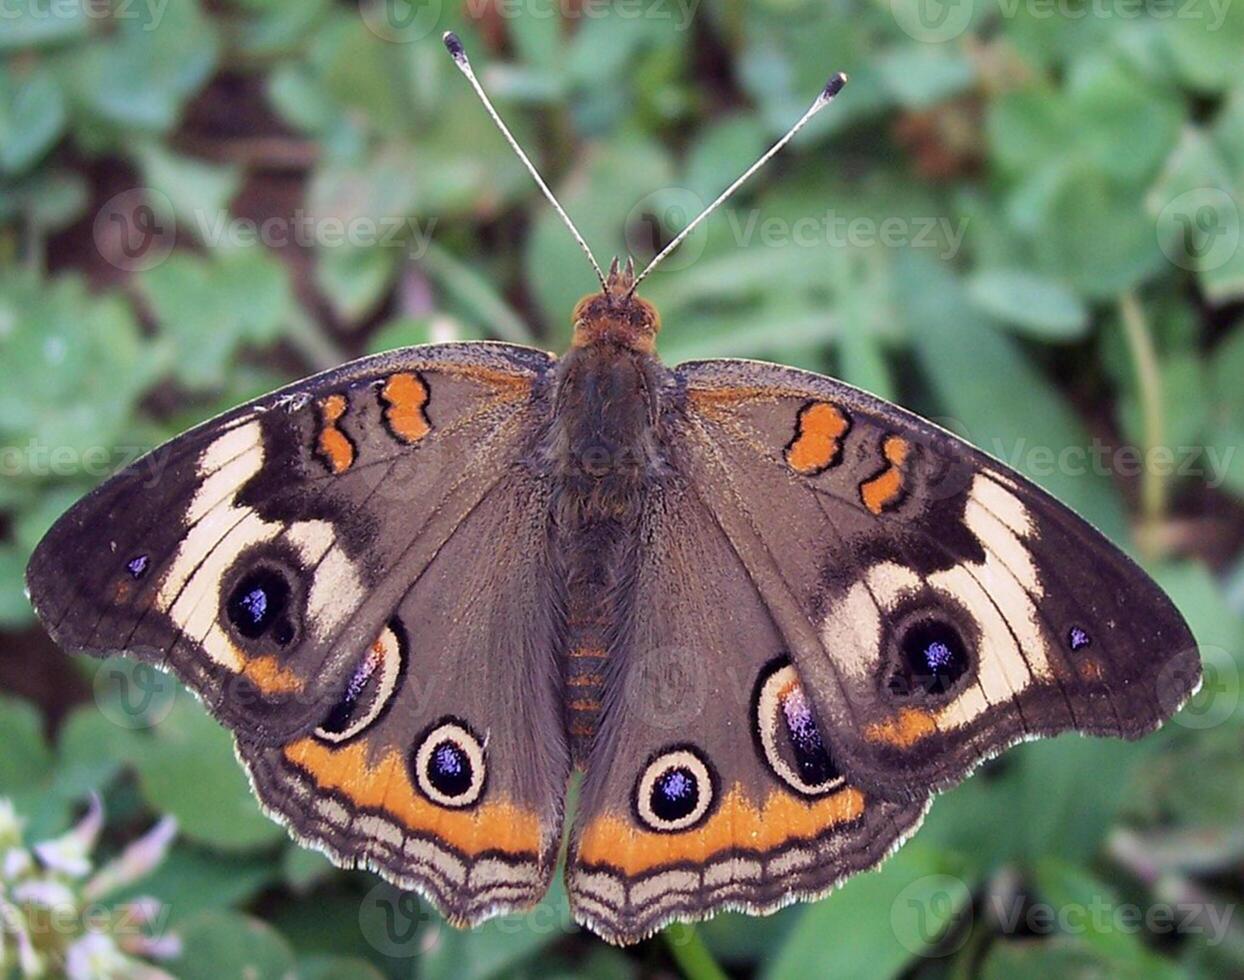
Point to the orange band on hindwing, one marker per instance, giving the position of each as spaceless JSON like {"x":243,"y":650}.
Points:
{"x":737,"y":824}
{"x":405,"y":397}
{"x":817,"y":443}
{"x":885,"y":489}
{"x":333,"y":445}
{"x":385,"y":785}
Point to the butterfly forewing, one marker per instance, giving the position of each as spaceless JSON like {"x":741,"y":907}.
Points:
{"x":938,"y":606}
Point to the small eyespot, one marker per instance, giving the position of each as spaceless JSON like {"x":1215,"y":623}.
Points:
{"x":449,"y":765}
{"x":371,"y":690}
{"x":258,"y":601}
{"x":675,"y":790}
{"x":137,"y":566}
{"x":789,"y":738}
{"x":1078,"y":639}
{"x":932,"y":656}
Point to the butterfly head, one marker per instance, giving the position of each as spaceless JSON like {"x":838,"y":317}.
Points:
{"x":615,"y":314}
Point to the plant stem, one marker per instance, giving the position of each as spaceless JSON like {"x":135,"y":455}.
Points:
{"x":1149,"y":385}
{"x":691,"y":955}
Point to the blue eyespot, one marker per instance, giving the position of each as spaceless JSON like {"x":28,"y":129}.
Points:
{"x":137,"y":566}
{"x":258,"y":603}
{"x":933,"y":657}
{"x":675,"y":789}
{"x":1078,"y":639}
{"x":449,"y":764}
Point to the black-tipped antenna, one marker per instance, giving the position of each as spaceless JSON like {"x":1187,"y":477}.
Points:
{"x":454,"y":45}
{"x":832,"y":88}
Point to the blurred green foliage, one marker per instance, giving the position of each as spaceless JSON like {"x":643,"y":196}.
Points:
{"x":1022,"y":218}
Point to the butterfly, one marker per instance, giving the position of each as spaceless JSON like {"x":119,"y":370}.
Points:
{"x":766,"y":614}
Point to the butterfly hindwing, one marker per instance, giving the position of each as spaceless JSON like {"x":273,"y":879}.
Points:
{"x":444,"y":764}
{"x":260,"y":554}
{"x":708,"y":785}
{"x":937,"y":605}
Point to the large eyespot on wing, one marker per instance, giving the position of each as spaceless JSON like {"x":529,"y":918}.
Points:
{"x":257,"y":555}
{"x":937,"y":606}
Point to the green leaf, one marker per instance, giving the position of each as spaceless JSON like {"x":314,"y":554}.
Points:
{"x":142,"y":74}
{"x":42,"y":23}
{"x":355,"y":280}
{"x":499,"y":944}
{"x":1227,"y":414}
{"x":876,"y":922}
{"x":224,"y":944}
{"x":210,"y":307}
{"x":15,"y":611}
{"x":77,"y":367}
{"x":32,"y":117}
{"x":1029,"y":959}
{"x":1038,"y":433}
{"x":26,"y":758}
{"x":922,"y":75}
{"x":1095,"y":235}
{"x":1030,"y":303}
{"x":198,"y":191}
{"x":187,"y":769}
{"x":336,"y":968}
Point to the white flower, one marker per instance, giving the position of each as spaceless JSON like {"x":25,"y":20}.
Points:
{"x":11,"y":825}
{"x":70,"y":854}
{"x":95,"y":957}
{"x":15,"y":863}
{"x":137,"y":861}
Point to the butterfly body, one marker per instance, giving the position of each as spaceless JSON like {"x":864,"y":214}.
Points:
{"x":768,"y":616}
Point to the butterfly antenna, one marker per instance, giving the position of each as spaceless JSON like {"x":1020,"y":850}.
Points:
{"x":831,"y":89}
{"x":454,"y":45}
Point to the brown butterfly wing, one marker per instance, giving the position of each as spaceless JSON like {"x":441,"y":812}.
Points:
{"x":937,"y":606}
{"x":444,"y":765}
{"x":707,"y":786}
{"x":260,"y":555}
